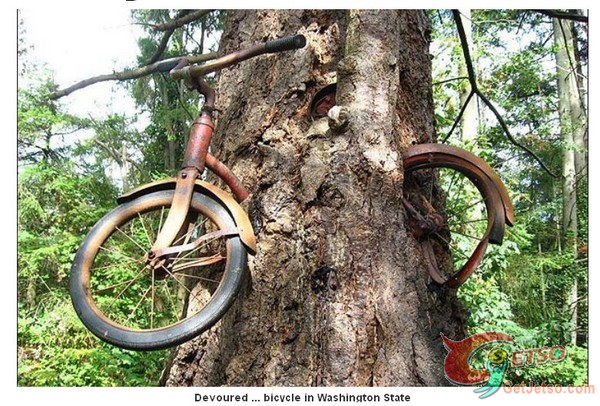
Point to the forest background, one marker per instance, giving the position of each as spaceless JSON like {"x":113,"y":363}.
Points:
{"x":71,"y":167}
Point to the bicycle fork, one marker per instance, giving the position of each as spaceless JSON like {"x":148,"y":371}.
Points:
{"x":196,"y":158}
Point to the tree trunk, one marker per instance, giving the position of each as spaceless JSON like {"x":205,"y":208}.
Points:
{"x":570,"y":115}
{"x":578,"y":104}
{"x":338,"y":293}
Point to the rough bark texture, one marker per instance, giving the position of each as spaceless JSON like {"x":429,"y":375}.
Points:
{"x":338,"y":293}
{"x":573,"y":127}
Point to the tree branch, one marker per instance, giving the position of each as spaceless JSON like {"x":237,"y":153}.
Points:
{"x":131,"y":74}
{"x":166,"y":37}
{"x":475,"y":89}
{"x":109,"y":150}
{"x":563,"y":15}
{"x":459,"y":116}
{"x":178,"y":22}
{"x":161,"y":46}
{"x":441,"y":82}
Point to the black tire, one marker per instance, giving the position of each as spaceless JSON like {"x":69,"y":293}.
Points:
{"x":158,"y":323}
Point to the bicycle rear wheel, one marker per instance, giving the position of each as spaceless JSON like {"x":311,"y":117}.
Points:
{"x":457,"y":206}
{"x":134,"y":303}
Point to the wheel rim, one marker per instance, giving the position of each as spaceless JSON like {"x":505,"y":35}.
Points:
{"x":124,"y":291}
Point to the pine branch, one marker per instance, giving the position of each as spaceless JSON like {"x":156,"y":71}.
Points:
{"x":475,"y":89}
{"x":167,"y":36}
{"x":161,"y":46}
{"x":181,"y":21}
{"x":154,"y":63}
{"x":131,"y":73}
{"x":563,"y":15}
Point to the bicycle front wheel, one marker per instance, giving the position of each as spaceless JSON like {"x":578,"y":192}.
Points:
{"x":132,"y":303}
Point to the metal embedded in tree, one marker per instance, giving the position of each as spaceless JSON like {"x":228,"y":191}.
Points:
{"x":170,"y":236}
{"x":187,"y":235}
{"x":323,"y":101}
{"x":481,"y":220}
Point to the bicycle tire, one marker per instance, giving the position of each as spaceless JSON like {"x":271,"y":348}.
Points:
{"x":499,"y":211}
{"x":88,"y":303}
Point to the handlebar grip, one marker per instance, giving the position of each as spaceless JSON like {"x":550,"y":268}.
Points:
{"x":285,"y":44}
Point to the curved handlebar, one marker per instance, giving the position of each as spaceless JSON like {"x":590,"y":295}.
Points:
{"x":278,"y":45}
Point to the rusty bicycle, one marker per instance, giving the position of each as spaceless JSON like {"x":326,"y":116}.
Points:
{"x":168,"y":242}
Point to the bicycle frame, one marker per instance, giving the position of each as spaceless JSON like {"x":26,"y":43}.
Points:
{"x":196,"y":156}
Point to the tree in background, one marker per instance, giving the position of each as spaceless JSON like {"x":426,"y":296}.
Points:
{"x":338,"y":292}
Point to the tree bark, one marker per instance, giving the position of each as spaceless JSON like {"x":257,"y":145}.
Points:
{"x":570,"y":115}
{"x":338,"y":293}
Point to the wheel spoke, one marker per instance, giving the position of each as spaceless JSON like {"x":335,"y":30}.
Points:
{"x":131,"y":239}
{"x":170,"y":297}
{"x":198,"y":277}
{"x":466,"y":222}
{"x":197,"y":262}
{"x":465,"y":209}
{"x":180,"y":283}
{"x":449,"y":188}
{"x":144,"y":295}
{"x":152,"y":302}
{"x":442,"y":238}
{"x":121,"y":254}
{"x":130,"y":282}
{"x":178,"y":259}
{"x":466,"y":235}
{"x":145,"y":230}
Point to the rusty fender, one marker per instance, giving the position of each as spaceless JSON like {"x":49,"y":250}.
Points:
{"x":416,"y":155}
{"x":237,"y":212}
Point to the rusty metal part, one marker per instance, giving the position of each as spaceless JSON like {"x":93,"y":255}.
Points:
{"x":498,"y":205}
{"x":425,"y":225}
{"x":184,"y":189}
{"x":198,"y":142}
{"x":232,"y":181}
{"x":237,"y":212}
{"x":279,"y":45}
{"x":239,"y":215}
{"x":208,"y":92}
{"x":431,"y":262}
{"x":204,"y":261}
{"x":323,"y":101}
{"x":416,"y":154}
{"x":196,"y":243}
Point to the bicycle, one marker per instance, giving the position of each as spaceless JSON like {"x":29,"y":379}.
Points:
{"x":182,"y":238}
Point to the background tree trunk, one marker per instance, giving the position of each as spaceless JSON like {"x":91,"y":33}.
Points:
{"x":573,"y":126}
{"x":338,"y":293}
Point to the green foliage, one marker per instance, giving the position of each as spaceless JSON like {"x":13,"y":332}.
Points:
{"x":522,"y":287}
{"x":41,"y":123}
{"x":570,"y":371}
{"x":55,"y":349}
{"x":68,"y":179}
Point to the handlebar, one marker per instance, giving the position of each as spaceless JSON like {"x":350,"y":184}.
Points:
{"x":285,"y":44}
{"x":278,"y":45}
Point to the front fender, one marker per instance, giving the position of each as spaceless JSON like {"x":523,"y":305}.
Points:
{"x":237,"y":212}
